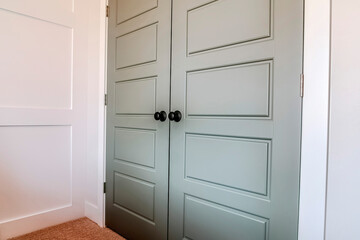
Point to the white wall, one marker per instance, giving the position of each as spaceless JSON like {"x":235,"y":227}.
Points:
{"x":52,"y":69}
{"x":43,"y":113}
{"x":343,"y":209}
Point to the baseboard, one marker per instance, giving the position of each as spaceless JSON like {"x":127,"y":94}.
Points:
{"x":93,"y":213}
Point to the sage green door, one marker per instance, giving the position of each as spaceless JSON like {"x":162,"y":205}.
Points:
{"x":138,"y":145}
{"x":233,"y":171}
{"x":235,"y":155}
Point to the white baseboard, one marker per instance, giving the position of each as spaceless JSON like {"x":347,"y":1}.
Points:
{"x":39,"y":221}
{"x":93,"y":213}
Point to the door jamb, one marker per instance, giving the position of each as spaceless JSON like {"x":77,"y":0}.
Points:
{"x":314,"y":152}
{"x":104,"y":53}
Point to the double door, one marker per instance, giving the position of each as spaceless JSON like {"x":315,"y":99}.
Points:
{"x":204,"y":119}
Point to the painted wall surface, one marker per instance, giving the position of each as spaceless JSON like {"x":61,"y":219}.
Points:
{"x":51,"y":113}
{"x":43,"y":100}
{"x":343,"y":209}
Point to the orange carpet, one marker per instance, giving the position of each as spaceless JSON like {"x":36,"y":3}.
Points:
{"x":81,"y":229}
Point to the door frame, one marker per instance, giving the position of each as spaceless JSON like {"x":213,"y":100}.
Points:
{"x":314,"y":150}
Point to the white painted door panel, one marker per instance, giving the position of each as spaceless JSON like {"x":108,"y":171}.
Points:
{"x":43,"y":82}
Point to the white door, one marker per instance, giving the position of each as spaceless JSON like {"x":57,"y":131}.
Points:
{"x":43,"y":48}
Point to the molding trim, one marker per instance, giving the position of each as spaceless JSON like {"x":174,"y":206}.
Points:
{"x":315,"y":123}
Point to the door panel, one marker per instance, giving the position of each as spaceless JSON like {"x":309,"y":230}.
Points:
{"x":248,"y":85}
{"x":138,"y":197}
{"x":140,"y":93}
{"x":137,"y":144}
{"x":129,"y":141}
{"x":245,"y":162}
{"x":205,"y":220}
{"x":137,"y":47}
{"x":235,"y":155}
{"x":207,"y":31}
{"x":128,"y":9}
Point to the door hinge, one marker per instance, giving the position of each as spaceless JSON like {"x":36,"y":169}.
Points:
{"x":106,"y":100}
{"x":302,"y":85}
{"x":104,"y":187}
{"x":107,"y":10}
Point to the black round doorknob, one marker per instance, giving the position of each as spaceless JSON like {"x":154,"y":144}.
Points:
{"x":160,"y":116}
{"x":175,"y":116}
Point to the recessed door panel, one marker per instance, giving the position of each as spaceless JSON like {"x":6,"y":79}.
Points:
{"x":129,"y":142}
{"x":134,"y":195}
{"x":131,"y":223}
{"x":225,"y":23}
{"x":245,"y":162}
{"x":210,"y":221}
{"x":209,"y":92}
{"x":140,"y":93}
{"x":136,"y":47}
{"x":128,"y":9}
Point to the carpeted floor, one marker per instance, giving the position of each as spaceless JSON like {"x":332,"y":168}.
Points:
{"x":80,"y":229}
